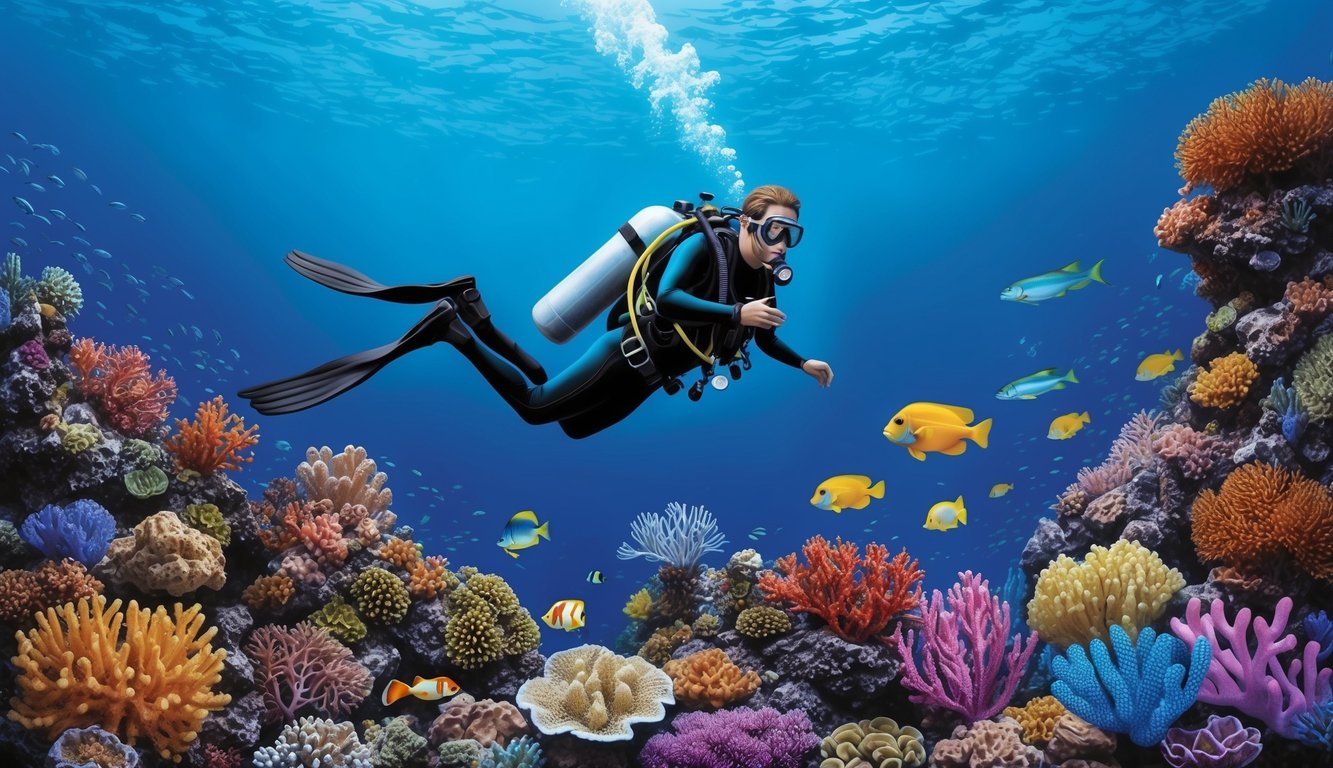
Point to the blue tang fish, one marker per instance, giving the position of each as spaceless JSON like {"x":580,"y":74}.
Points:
{"x":522,"y":531}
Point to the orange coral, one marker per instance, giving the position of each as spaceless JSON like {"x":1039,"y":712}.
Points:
{"x":710,"y":679}
{"x":1268,"y":128}
{"x":120,"y":382}
{"x":856,"y":596}
{"x":1180,"y":224}
{"x":400,"y":552}
{"x":269,"y":592}
{"x":137,"y":673}
{"x":1226,"y":384}
{"x":24,"y":593}
{"x":1038,"y":718}
{"x":213,"y":441}
{"x":1262,"y":511}
{"x":1311,"y":299}
{"x":427,"y":579}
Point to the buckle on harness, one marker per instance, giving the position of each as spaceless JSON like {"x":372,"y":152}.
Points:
{"x":632,"y":345}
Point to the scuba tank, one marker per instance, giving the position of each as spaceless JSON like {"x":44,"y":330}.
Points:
{"x":600,"y":280}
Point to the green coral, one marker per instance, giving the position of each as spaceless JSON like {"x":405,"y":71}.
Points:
{"x":59,"y":289}
{"x":1314,"y":379}
{"x":878,"y":743}
{"x":12,"y":546}
{"x":706,"y":625}
{"x":400,"y":747}
{"x":141,"y":453}
{"x":762,"y":621}
{"x":486,"y":621}
{"x":381,"y":596}
{"x":340,"y":620}
{"x":207,"y":518}
{"x":1221,"y":318}
{"x":147,"y":483}
{"x":523,"y":752}
{"x":77,"y":438}
{"x":13,"y":282}
{"x":463,"y":752}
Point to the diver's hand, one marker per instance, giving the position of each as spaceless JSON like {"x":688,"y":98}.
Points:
{"x":820,"y":370}
{"x":758,"y":314}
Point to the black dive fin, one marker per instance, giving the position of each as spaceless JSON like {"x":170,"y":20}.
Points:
{"x":306,"y":390}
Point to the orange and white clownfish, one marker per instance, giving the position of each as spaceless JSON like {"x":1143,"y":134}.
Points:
{"x":424,"y":688}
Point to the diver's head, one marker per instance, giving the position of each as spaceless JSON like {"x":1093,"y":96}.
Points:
{"x":769,"y":228}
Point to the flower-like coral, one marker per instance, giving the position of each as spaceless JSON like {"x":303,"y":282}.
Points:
{"x":1262,"y":511}
{"x":340,"y":620}
{"x":1126,"y":585}
{"x":428,"y":577}
{"x":140,"y":674}
{"x":316,"y":743}
{"x":215,"y":439}
{"x":878,"y":743}
{"x":1268,"y":128}
{"x":1226,"y":383}
{"x":709,"y":680}
{"x":208,"y":518}
{"x":269,"y":592}
{"x":640,"y":605}
{"x":1038,"y":718}
{"x":595,"y":694}
{"x":303,"y":666}
{"x":1182,"y":222}
{"x":399,"y":552}
{"x":857,"y":596}
{"x":121,"y":384}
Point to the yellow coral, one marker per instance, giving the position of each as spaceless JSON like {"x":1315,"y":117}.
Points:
{"x":640,"y":606}
{"x":1227,"y":383}
{"x":400,"y":552}
{"x":1127,"y":584}
{"x":595,"y":694}
{"x":1038,"y":718}
{"x":155,"y":682}
{"x":710,"y":679}
{"x":269,"y":592}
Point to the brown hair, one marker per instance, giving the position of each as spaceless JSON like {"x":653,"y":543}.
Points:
{"x":760,"y":198}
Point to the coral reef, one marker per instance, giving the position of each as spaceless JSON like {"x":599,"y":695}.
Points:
{"x":593,"y":693}
{"x":878,"y":743}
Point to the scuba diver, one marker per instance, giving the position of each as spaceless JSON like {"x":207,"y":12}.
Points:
{"x":694,"y":297}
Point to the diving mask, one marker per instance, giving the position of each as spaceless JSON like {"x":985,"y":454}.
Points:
{"x":775,"y":229}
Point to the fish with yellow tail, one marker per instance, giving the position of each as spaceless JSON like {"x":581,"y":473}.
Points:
{"x":1157,"y":366}
{"x":1039,"y":383}
{"x":565,"y":614}
{"x":846,"y":492}
{"x":1000,"y":489}
{"x":424,"y":688}
{"x":522,"y":531}
{"x":1052,"y":285}
{"x":924,"y":428}
{"x":1068,"y":425}
{"x":946,"y":515}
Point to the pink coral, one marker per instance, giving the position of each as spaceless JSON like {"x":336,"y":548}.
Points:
{"x":304,"y":666}
{"x":1194,"y":452}
{"x":322,"y":535}
{"x":121,"y":384}
{"x":302,"y":568}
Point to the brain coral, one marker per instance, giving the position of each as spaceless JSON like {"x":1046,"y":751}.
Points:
{"x":878,"y":743}
{"x":164,"y":554}
{"x":595,"y":694}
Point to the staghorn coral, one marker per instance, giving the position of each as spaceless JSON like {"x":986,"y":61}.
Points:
{"x":164,"y":554}
{"x":1261,"y":511}
{"x":349,"y":478}
{"x":878,"y":743}
{"x":1182,"y":222}
{"x":709,"y":680}
{"x":269,"y":593}
{"x":1038,"y":718}
{"x":1268,"y":128}
{"x":215,"y":440}
{"x":595,"y":694}
{"x":381,"y":597}
{"x":1126,"y":585}
{"x":303,"y":666}
{"x":138,"y":674}
{"x":1313,"y":379}
{"x":1226,"y":383}
{"x":120,"y":383}
{"x":316,"y":743}
{"x":857,"y":596}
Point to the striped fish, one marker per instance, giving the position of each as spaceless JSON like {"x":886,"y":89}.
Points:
{"x":565,"y":614}
{"x":426,"y":689}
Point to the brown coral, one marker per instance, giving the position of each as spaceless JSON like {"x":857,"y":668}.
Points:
{"x":1179,"y":224}
{"x":659,"y":647}
{"x":986,"y":743}
{"x":709,"y":679}
{"x":399,"y":552}
{"x":1107,"y":509}
{"x":1073,"y":738}
{"x":1038,"y":718}
{"x":269,"y":592}
{"x":487,"y":722}
{"x":1227,"y":383}
{"x":1310,"y":299}
{"x":165,"y":554}
{"x":1262,"y":511}
{"x":1269,"y":128}
{"x":24,"y":593}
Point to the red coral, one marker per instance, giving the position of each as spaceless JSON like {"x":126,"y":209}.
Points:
{"x":217,"y":757}
{"x":213,"y":441}
{"x":856,"y":596}
{"x":303,"y":666}
{"x":120,"y":383}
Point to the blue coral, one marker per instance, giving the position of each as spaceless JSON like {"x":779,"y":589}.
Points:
{"x":1314,"y":727}
{"x":1287,"y":403}
{"x":6,"y":311}
{"x":1141,"y":692}
{"x":82,"y":530}
{"x":1319,"y":628}
{"x":521,"y":753}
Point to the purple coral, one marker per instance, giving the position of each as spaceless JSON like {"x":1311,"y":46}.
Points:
{"x":1194,"y":452}
{"x":735,"y":738}
{"x":963,"y":656}
{"x":1223,"y":743}
{"x":32,"y":354}
{"x":303,"y":666}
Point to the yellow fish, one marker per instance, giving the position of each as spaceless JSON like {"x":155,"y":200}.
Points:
{"x":846,"y":492}
{"x":1000,"y":489}
{"x":565,"y":614}
{"x":424,"y":688}
{"x":1154,"y":366}
{"x":946,"y":515}
{"x":927,"y":427}
{"x":1068,"y":425}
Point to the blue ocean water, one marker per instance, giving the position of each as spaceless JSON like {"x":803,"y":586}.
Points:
{"x":941,"y":151}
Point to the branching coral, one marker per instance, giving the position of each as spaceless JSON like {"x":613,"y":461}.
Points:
{"x":139,"y":674}
{"x":82,"y":530}
{"x":595,"y":694}
{"x":1126,"y":585}
{"x":1313,"y":379}
{"x":24,"y":593}
{"x":1262,"y":511}
{"x":121,"y":384}
{"x":1310,"y":299}
{"x":1181,"y":223}
{"x":680,"y":537}
{"x":215,"y":440}
{"x":1226,"y":383}
{"x":303,"y":666}
{"x":857,"y":596}
{"x":1268,"y":128}
{"x":350,"y":478}
{"x":709,"y":680}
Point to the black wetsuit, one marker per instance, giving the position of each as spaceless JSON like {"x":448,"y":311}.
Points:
{"x":601,"y":387}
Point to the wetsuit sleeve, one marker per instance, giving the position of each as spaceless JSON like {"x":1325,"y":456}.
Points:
{"x":690,"y":265}
{"x":767,"y":340}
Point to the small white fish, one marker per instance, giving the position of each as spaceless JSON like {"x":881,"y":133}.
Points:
{"x":19,"y":136}
{"x":43,"y":218}
{"x":138,"y":217}
{"x":81,"y":240}
{"x":36,"y":186}
{"x":80,"y":174}
{"x":23,"y":205}
{"x":59,"y":214}
{"x":19,"y":241}
{"x":56,"y":180}
{"x":117,"y":205}
{"x":96,"y":188}
{"x":187,"y":294}
{"x":102,"y":253}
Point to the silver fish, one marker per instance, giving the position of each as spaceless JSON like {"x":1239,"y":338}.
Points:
{"x":1039,"y":383}
{"x":23,"y":204}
